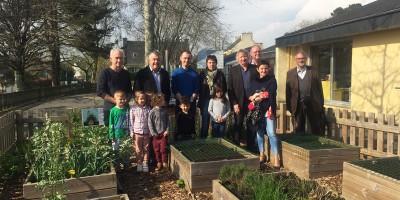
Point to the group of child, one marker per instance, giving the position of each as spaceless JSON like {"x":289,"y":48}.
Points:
{"x":151,"y":119}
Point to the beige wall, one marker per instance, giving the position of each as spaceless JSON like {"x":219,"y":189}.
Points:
{"x":376,"y":72}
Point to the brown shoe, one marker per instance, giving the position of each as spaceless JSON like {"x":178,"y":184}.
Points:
{"x":159,"y":167}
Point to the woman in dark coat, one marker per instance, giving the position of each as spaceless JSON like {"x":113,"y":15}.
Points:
{"x":263,"y":115}
{"x":208,"y":77}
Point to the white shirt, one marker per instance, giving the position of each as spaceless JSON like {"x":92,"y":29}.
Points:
{"x":301,"y":72}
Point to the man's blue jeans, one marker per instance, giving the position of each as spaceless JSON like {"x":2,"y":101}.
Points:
{"x":273,"y":140}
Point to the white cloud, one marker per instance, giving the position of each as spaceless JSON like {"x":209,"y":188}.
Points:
{"x":269,"y":19}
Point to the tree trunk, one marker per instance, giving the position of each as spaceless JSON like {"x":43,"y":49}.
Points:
{"x":54,"y":45}
{"x":19,"y":80}
{"x":149,"y":18}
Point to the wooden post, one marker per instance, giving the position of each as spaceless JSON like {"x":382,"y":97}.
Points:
{"x":282,"y":118}
{"x":361,"y":131}
{"x":390,"y":136}
{"x":344,"y":127}
{"x":353,"y":128}
{"x":19,"y":125}
{"x":371,"y":119}
{"x":380,"y":139}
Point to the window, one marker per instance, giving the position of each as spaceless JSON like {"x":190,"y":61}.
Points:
{"x":334,"y":65}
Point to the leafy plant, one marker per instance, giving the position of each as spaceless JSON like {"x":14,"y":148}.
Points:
{"x":180,"y":183}
{"x":49,"y":161}
{"x":15,"y":162}
{"x":251,"y":184}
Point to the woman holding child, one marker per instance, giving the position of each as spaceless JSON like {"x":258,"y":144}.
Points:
{"x":208,"y":78}
{"x":263,"y":109}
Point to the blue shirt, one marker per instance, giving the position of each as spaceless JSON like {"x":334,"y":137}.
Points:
{"x":156,"y":76}
{"x":246,"y":81}
{"x":185,"y":82}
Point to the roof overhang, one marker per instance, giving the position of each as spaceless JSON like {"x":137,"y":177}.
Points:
{"x":381,"y":21}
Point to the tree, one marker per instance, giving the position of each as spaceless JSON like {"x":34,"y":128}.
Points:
{"x":20,"y":37}
{"x":177,"y":22}
{"x":89,"y":28}
{"x":341,"y":10}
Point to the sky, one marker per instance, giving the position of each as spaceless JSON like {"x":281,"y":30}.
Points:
{"x":270,"y":19}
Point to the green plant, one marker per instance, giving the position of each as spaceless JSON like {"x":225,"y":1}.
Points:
{"x":180,"y":183}
{"x":49,"y":161}
{"x":15,"y":162}
{"x":251,"y":184}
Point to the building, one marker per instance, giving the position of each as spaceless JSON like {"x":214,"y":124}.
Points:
{"x":357,"y":54}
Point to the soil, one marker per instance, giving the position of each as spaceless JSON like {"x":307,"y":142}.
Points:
{"x":158,"y":185}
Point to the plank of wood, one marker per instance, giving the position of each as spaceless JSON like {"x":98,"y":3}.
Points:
{"x":372,"y":176}
{"x":221,"y":193}
{"x":371,"y":119}
{"x":93,"y":194}
{"x":353,"y":128}
{"x":213,"y":167}
{"x":374,"y":189}
{"x":380,"y":139}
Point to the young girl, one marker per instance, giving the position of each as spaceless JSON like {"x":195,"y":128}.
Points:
{"x":158,"y":125}
{"x":139,"y":130}
{"x":219,"y":109}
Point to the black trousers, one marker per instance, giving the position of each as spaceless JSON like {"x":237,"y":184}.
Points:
{"x":305,"y":111}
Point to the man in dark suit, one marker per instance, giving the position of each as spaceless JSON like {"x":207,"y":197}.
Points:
{"x":239,"y":80}
{"x":153,"y":78}
{"x":304,"y":96}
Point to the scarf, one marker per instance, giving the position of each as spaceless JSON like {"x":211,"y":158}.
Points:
{"x":210,"y":77}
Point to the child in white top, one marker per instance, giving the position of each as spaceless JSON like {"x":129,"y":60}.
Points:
{"x":219,"y":109}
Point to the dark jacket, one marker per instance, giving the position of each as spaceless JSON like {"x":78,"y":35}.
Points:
{"x":144,"y":81}
{"x":204,"y":93}
{"x":292,"y":90}
{"x":236,"y":91}
{"x":269,"y":84}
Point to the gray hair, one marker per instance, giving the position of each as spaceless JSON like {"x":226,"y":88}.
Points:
{"x":241,"y":51}
{"x":301,"y":52}
{"x":117,"y":49}
{"x":156,"y":53}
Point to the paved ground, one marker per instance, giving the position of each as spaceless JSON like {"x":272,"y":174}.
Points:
{"x":75,"y":101}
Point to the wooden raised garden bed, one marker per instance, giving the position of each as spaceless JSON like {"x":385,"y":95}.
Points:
{"x":220,"y":192}
{"x":372,"y":179}
{"x":198,"y":162}
{"x":80,"y":188}
{"x":313,"y":157}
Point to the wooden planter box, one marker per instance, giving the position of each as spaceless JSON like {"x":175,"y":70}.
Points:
{"x":372,"y":179}
{"x":311,"y":157}
{"x":220,"y":192}
{"x":198,"y":176}
{"x":80,"y":188}
{"x":113,"y":197}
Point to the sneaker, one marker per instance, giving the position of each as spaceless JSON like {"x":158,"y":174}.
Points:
{"x":139,"y":168}
{"x":159,"y":167}
{"x":145,"y":168}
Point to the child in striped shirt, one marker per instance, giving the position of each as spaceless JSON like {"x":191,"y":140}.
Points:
{"x":139,"y":130}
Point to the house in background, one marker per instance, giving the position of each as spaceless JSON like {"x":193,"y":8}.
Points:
{"x":134,"y":55}
{"x":244,"y":41}
{"x":357,"y":54}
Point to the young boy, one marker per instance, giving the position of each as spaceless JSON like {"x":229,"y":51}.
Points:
{"x":185,"y":122}
{"x":139,"y":129}
{"x":158,"y":125}
{"x":118,"y":122}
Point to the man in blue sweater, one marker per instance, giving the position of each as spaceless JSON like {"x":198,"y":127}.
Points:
{"x":185,"y":82}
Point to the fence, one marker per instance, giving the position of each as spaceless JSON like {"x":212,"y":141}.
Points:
{"x":12,"y":100}
{"x":377,"y":136}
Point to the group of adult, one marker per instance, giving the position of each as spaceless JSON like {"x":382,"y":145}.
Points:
{"x":251,"y":82}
